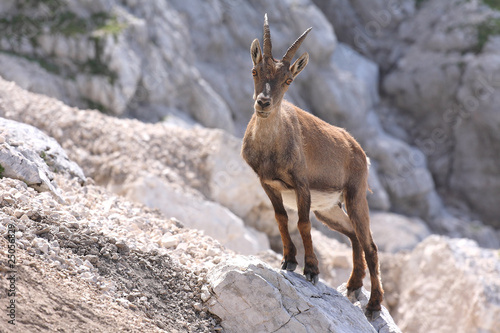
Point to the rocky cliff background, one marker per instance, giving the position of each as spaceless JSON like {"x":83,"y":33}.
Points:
{"x":155,"y":97}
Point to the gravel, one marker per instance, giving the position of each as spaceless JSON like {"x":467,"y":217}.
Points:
{"x":131,"y":254}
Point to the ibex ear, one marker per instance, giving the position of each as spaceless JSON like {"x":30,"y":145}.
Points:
{"x":299,"y":64}
{"x":255,"y":52}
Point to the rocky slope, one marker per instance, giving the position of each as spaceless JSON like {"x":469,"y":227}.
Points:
{"x":83,"y":253}
{"x":430,"y":130}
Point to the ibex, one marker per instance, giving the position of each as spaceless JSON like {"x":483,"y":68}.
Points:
{"x":305,"y":163}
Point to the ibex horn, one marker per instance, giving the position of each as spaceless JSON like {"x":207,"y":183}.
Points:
{"x":267,"y":39}
{"x":295,"y":46}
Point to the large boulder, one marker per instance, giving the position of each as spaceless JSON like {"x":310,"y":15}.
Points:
{"x":28,"y":154}
{"x":26,"y":136}
{"x":282,"y":301}
{"x":402,"y":172}
{"x":232,"y":183}
{"x":365,"y":70}
{"x":394,"y":232}
{"x":449,"y":285}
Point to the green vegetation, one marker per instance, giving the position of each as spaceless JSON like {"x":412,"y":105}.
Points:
{"x":43,"y":155}
{"x":494,"y":4}
{"x":33,"y":18}
{"x":68,"y":24}
{"x":111,"y":26}
{"x":485,"y":30}
{"x":95,"y":66}
{"x":44,"y":63}
{"x":461,"y":65}
{"x":419,"y":3}
{"x":98,"y":24}
{"x":489,"y":27}
{"x":65,"y":23}
{"x":17,"y":26}
{"x":96,"y":106}
{"x":50,"y":5}
{"x":2,"y":170}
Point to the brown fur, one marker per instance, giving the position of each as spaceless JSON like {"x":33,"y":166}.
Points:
{"x":290,"y":149}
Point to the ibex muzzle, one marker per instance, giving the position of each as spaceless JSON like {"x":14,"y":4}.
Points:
{"x":307,"y":164}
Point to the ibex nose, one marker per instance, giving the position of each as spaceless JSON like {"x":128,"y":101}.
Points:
{"x":264,"y":102}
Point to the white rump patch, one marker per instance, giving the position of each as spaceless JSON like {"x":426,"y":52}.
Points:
{"x":319,"y":200}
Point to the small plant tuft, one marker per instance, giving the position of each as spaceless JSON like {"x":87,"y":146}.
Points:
{"x":419,"y":3}
{"x":111,"y":26}
{"x":494,"y":4}
{"x":43,"y":155}
{"x":96,"y":106}
{"x":56,"y":18}
{"x":486,"y":29}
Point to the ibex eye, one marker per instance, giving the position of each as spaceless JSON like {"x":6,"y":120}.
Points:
{"x":254,"y":72}
{"x":288,"y":81}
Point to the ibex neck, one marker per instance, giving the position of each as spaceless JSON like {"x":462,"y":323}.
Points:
{"x":268,"y":128}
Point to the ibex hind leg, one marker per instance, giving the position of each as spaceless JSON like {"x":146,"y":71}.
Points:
{"x":336,"y":219}
{"x":357,"y":208}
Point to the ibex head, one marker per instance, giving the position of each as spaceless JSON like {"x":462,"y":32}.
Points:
{"x":273,"y":77}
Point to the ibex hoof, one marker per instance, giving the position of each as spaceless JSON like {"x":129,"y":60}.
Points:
{"x":372,"y":315}
{"x":373,"y":306}
{"x":288,"y":265}
{"x":353,"y":295}
{"x":313,"y":278}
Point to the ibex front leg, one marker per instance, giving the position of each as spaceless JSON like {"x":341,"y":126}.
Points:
{"x":289,"y":251}
{"x":311,"y":270}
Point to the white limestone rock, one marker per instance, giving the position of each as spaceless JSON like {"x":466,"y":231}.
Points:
{"x":195,"y":212}
{"x":42,"y":145}
{"x":383,"y":322}
{"x":16,"y":165}
{"x":394,"y":232}
{"x":235,"y":185}
{"x":365,"y":70}
{"x":30,"y":155}
{"x":249,"y":296}
{"x":453,"y":277}
{"x":445,"y":88}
